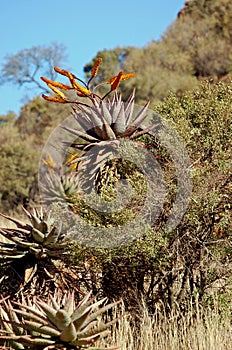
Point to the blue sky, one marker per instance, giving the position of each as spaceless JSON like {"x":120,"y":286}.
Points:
{"x":84,"y":27}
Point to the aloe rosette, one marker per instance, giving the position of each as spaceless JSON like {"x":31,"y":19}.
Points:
{"x":56,"y":324}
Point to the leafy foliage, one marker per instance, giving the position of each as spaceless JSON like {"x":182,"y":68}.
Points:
{"x":196,"y":45}
{"x":18,"y":167}
{"x":195,"y":257}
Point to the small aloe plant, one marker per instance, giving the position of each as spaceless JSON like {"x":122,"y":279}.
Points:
{"x":56,"y":324}
{"x":40,"y":237}
{"x":30,"y":252}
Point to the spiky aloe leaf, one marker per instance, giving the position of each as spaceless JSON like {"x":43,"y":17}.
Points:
{"x":115,"y":109}
{"x":83,"y":342}
{"x":11,"y":324}
{"x":9,"y":254}
{"x":56,"y":325}
{"x":62,"y":319}
{"x":141,"y":116}
{"x":31,"y":316}
{"x":82,"y":307}
{"x":70,"y":304}
{"x":85,"y":123}
{"x":81,"y":134}
{"x":26,"y":339}
{"x":98,"y":331}
{"x":19,"y":223}
{"x":52,"y":236}
{"x":37,"y":235}
{"x":120,"y":122}
{"x":94,"y":120}
{"x":144,"y":131}
{"x":49,"y":311}
{"x":55,"y":303}
{"x":129,"y":107}
{"x":29,"y":312}
{"x":105,"y":114}
{"x":69,"y":333}
{"x":108,"y":133}
{"x":78,"y":322}
{"x":41,"y":329}
{"x":19,"y":241}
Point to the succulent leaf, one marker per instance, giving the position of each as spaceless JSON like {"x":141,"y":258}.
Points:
{"x":49,"y":311}
{"x":120,"y":122}
{"x":41,"y":329}
{"x":62,"y":319}
{"x":70,"y":304}
{"x":69,"y":333}
{"x":81,"y":134}
{"x":37,"y":235}
{"x":141,"y":116}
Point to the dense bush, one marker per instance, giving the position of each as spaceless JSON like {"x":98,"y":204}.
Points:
{"x":18,"y":167}
{"x":194,"y":260}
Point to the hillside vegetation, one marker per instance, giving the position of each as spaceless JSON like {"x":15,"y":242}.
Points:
{"x":172,"y":282}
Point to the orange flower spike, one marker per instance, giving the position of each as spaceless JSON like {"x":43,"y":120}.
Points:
{"x":123,"y":77}
{"x":78,"y":87}
{"x":53,"y":99}
{"x":111,"y":80}
{"x":95,"y":67}
{"x":80,"y":94}
{"x":128,"y":76}
{"x":61,"y":71}
{"x":56,"y":84}
{"x":116,"y":81}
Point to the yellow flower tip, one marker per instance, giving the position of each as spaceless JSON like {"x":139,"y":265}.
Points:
{"x":116,"y":81}
{"x":73,"y":158}
{"x":58,"y":92}
{"x":49,"y":162}
{"x":73,"y":161}
{"x":81,"y":90}
{"x":95,"y":67}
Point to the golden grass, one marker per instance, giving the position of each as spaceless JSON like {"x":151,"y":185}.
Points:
{"x":208,"y":330}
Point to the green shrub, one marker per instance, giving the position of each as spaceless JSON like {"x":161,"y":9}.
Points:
{"x":195,"y":258}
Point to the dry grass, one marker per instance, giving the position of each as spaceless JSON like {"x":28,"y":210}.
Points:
{"x":208,"y":330}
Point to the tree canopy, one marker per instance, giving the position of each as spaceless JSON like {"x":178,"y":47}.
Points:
{"x":27,"y":65}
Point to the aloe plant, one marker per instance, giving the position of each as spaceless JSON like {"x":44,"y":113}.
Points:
{"x":56,"y":324}
{"x":100,"y":124}
{"x":40,"y":238}
{"x":31,"y":249}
